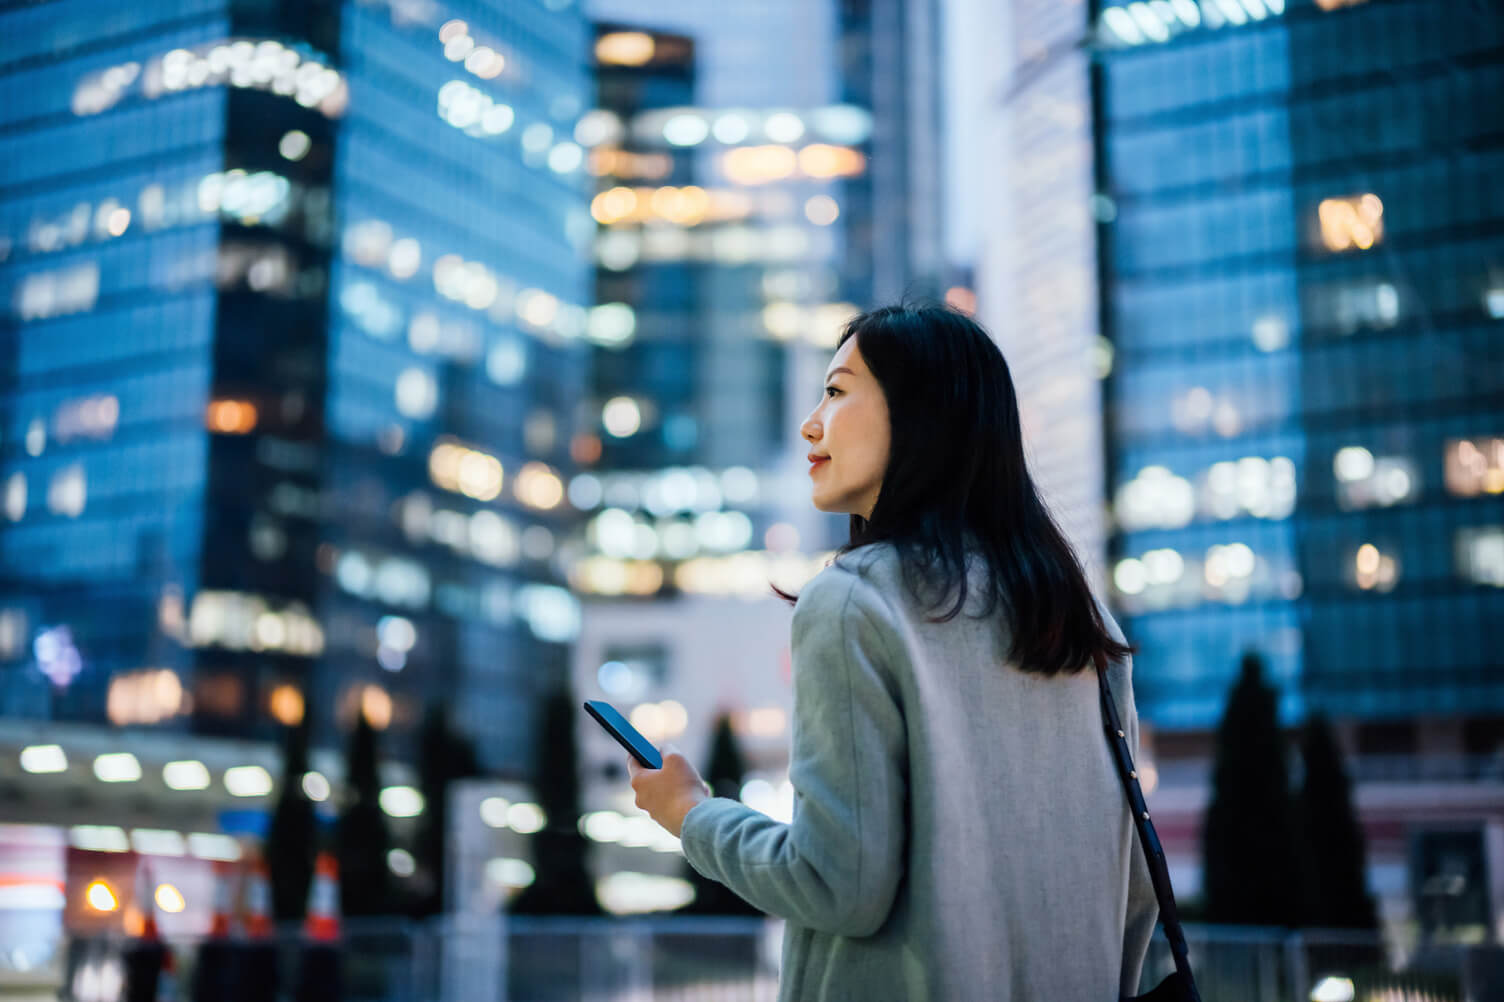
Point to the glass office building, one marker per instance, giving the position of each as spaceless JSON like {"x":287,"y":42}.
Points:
{"x":762,"y":175}
{"x":290,"y":366}
{"x":1303,"y":281}
{"x":728,"y":257}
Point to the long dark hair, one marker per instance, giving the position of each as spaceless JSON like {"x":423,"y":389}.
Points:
{"x":956,"y":470}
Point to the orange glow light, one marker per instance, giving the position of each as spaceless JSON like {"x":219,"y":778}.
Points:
{"x":625,"y":48}
{"x":1357,"y":221}
{"x":231,"y":417}
{"x":286,"y":704}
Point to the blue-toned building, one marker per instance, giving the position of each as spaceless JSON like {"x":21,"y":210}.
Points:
{"x":1301,"y":266}
{"x":1302,"y":270}
{"x":289,"y":366}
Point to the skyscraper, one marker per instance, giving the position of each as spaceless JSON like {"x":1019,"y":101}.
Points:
{"x":1303,"y":237}
{"x":762,"y":176}
{"x":291,"y":358}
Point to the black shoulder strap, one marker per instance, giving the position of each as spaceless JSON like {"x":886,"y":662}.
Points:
{"x":1159,"y":873}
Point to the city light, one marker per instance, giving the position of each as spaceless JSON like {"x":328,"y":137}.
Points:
{"x":145,"y":697}
{"x":214,"y":847}
{"x":493,"y":811}
{"x":294,"y":144}
{"x":686,"y":129}
{"x":1474,"y":466}
{"x":401,"y":801}
{"x":401,"y":862}
{"x":187,"y":774}
{"x":44,"y":294}
{"x":464,"y":470}
{"x":285,"y":703}
{"x":247,"y":63}
{"x":822,"y":210}
{"x":730,"y":129}
{"x":15,"y":497}
{"x":248,"y":781}
{"x":315,"y":786}
{"x":1374,"y":570}
{"x":526,"y":818}
{"x":99,"y":838}
{"x":1353,"y":222}
{"x":627,"y":893}
{"x":41,"y":760}
{"x":158,"y":842}
{"x":762,"y":722}
{"x":509,"y":872}
{"x":169,"y":899}
{"x":100,"y":896}
{"x":117,"y":767}
{"x":625,"y":48}
{"x":538,"y":486}
{"x":375,"y":704}
{"x":1480,"y":555}
{"x":472,"y":111}
{"x":602,"y":826}
{"x":621,"y":417}
{"x":241,"y":621}
{"x":231,"y":417}
{"x":1332,"y":988}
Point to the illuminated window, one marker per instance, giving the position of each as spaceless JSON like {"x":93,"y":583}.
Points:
{"x":1353,"y":222}
{"x":1480,"y":555}
{"x":625,"y":48}
{"x":1155,"y":498}
{"x":231,"y":417}
{"x":1475,"y":466}
{"x":1374,"y":570}
{"x":145,"y":697}
{"x":1366,"y":481}
{"x":466,"y":471}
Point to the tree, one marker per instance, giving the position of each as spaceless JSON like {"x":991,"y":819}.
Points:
{"x":724,"y":772}
{"x":443,"y":757}
{"x":361,"y":836}
{"x":1252,"y":872}
{"x":562,"y":883}
{"x":291,"y":839}
{"x":1332,"y":836}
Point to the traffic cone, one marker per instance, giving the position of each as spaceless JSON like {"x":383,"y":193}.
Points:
{"x":257,"y":920}
{"x":214,"y":972}
{"x":167,"y":982}
{"x":149,"y":964}
{"x":258,"y":975}
{"x":322,"y":923}
{"x":222,"y":921}
{"x":319,"y":978}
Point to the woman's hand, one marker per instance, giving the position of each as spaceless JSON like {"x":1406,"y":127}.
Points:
{"x":667,"y":794}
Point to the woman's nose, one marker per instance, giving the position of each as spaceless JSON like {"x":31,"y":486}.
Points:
{"x":810,"y":429}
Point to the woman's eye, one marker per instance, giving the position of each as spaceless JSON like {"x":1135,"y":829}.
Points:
{"x":831,"y":391}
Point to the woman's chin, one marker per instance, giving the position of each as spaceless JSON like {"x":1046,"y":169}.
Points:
{"x":827,"y":505}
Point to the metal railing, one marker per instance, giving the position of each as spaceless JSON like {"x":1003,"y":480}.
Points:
{"x":498,"y":959}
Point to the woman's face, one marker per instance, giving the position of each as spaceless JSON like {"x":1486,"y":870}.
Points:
{"x":849,"y":437}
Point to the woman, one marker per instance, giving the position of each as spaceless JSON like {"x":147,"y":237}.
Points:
{"x":959,"y":831}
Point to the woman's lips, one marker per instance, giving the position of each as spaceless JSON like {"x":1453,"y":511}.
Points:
{"x":815,"y":464}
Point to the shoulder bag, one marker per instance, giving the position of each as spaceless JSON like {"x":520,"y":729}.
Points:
{"x":1179,"y":986}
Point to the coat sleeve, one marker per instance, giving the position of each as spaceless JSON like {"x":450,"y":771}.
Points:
{"x":836,"y":868}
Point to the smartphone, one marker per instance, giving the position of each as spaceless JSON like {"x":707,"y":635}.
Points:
{"x":625,"y":734}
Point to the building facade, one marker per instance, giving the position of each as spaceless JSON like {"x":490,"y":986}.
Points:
{"x":295,"y":298}
{"x":1301,"y":280}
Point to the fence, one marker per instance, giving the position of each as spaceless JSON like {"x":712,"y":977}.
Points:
{"x":490,"y":959}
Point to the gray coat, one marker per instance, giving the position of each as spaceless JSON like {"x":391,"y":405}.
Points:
{"x":958,"y":832}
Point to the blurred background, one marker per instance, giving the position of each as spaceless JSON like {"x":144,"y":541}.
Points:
{"x":381,"y":378}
